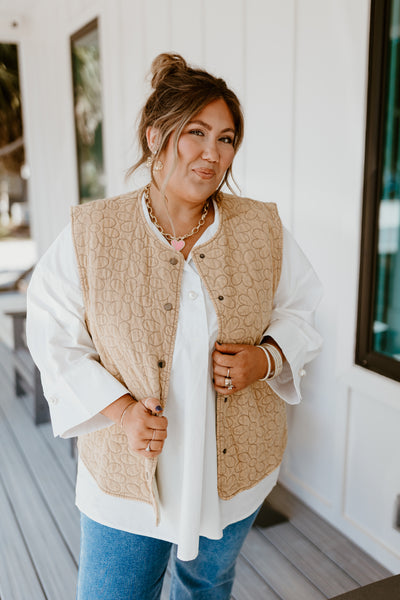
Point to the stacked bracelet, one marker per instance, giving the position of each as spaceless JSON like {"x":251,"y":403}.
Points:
{"x":271,"y":351}
{"x":276,"y":355}
{"x":269,"y":364}
{"x":121,"y":421}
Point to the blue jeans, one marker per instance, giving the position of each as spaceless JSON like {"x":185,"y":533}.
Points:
{"x":117,"y":565}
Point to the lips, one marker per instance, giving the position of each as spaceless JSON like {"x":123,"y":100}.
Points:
{"x":204,"y":173}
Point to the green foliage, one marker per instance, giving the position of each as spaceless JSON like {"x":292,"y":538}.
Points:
{"x":10,"y":106}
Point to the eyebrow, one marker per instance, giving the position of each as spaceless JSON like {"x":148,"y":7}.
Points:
{"x":207,"y":126}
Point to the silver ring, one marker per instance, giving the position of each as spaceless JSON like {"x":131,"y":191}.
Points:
{"x":228,"y":374}
{"x":148,"y":449}
{"x":228,"y":382}
{"x":230,"y":387}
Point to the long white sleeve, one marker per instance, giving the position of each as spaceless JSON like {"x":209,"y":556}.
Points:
{"x":75,"y":384}
{"x":292,"y":318}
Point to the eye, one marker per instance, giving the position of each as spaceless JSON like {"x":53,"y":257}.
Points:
{"x":196,"y":132}
{"x":227,"y":139}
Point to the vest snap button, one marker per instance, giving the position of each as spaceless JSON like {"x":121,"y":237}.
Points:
{"x":173,"y":261}
{"x":225,"y":399}
{"x":220,"y":297}
{"x":168,"y":306}
{"x":202,"y":255}
{"x":161,"y":364}
{"x":224,"y":451}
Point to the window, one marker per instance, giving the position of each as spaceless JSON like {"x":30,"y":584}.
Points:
{"x":378,"y":331}
{"x":14,"y":212}
{"x":85,"y":54}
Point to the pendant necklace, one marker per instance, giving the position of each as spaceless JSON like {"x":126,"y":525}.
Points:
{"x":177,"y":242}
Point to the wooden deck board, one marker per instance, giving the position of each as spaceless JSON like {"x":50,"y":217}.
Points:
{"x":283,"y":577}
{"x":46,"y":546}
{"x":330,"y":579}
{"x":339,"y":549}
{"x":386,"y":589}
{"x":166,"y":586}
{"x":52,"y":483}
{"x":249,"y":585}
{"x":14,"y":555}
{"x":62,"y":451}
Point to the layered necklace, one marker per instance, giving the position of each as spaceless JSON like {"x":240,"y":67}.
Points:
{"x":177,"y":242}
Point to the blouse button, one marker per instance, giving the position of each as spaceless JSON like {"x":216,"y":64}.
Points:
{"x":220,"y":297}
{"x":161,"y":364}
{"x":302,"y":372}
{"x":173,"y":261}
{"x":192,"y":295}
{"x":168,"y":306}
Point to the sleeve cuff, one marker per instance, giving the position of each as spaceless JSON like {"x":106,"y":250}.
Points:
{"x":295,"y":346}
{"x":76,"y":409}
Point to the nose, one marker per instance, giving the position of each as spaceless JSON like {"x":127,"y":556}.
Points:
{"x":210,"y":152}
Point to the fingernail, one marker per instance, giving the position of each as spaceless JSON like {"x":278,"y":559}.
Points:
{"x":158,"y":408}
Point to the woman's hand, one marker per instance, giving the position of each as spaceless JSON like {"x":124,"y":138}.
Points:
{"x":246,"y":365}
{"x":142,"y":422}
{"x":145,"y":427}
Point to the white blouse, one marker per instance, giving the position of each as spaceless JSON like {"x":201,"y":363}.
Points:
{"x":77,"y":388}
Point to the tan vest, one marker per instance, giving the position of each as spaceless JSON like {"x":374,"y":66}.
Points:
{"x":131,"y":284}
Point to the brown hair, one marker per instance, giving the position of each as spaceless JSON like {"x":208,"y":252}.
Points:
{"x":180,"y":92}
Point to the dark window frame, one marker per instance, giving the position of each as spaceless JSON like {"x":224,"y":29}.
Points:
{"x":377,"y":88}
{"x":93,"y":25}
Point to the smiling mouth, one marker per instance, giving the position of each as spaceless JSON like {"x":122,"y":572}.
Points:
{"x":205,"y":173}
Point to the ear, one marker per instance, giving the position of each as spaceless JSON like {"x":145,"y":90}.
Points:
{"x":153,"y":138}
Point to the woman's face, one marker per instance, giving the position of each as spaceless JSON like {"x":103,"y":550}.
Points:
{"x":205,"y":152}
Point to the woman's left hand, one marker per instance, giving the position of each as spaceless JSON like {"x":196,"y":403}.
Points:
{"x":246,"y":365}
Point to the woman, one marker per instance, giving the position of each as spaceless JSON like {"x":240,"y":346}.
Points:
{"x":170,"y":326}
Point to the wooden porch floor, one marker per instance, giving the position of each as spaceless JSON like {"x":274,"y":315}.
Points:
{"x":301,"y":559}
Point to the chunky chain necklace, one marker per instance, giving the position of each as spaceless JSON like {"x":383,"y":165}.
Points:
{"x":178,"y":243}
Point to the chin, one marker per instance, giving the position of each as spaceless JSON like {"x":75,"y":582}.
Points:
{"x":203,"y":189}
{"x":202,"y":197}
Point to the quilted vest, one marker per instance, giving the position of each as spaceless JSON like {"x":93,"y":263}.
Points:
{"x":131,"y":285}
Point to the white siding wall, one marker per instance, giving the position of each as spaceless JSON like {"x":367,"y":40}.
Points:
{"x":300,"y":68}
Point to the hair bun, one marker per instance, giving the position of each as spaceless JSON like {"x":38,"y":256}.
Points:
{"x":165,"y":64}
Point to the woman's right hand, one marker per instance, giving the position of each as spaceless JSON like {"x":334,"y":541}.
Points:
{"x":145,"y":427}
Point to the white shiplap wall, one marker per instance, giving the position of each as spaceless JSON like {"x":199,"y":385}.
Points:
{"x":300,"y":68}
